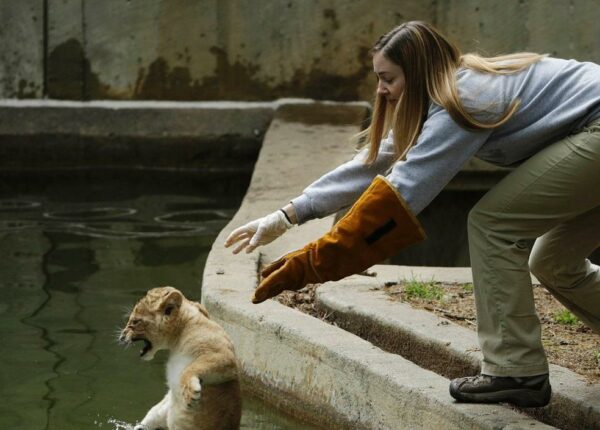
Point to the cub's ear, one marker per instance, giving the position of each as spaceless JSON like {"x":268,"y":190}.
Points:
{"x":202,"y":309}
{"x":171,"y":303}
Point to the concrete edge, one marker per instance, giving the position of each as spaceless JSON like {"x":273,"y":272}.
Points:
{"x":321,"y":372}
{"x":208,"y":136}
{"x":134,"y":119}
{"x":359,"y":305}
{"x":146,"y":119}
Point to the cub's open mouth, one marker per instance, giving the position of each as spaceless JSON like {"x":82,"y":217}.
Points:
{"x":147,"y":345}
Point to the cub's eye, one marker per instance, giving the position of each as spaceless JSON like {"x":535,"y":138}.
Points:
{"x":136,"y":321}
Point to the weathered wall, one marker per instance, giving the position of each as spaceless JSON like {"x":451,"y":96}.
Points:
{"x":21,"y":48}
{"x":253,"y":49}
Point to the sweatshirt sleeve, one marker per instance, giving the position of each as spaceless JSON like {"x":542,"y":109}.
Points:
{"x":441,"y":150}
{"x":342,"y":186}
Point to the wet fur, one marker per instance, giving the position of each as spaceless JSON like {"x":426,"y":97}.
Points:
{"x":202,"y":371}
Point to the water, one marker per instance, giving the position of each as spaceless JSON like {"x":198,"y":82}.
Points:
{"x":78,"y":250}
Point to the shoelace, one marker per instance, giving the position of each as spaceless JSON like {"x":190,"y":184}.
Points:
{"x":480,"y":379}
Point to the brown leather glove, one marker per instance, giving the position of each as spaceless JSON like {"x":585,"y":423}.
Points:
{"x":378,"y":225}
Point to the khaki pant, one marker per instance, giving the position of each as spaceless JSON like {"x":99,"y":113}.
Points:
{"x":544,"y":217}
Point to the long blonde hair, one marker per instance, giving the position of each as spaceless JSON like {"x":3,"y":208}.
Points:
{"x":430,"y":62}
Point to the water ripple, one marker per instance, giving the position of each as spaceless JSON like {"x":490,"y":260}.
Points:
{"x":12,"y":205}
{"x":194,"y":217}
{"x":91,"y":214}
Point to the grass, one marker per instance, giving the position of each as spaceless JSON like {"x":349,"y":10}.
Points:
{"x":565,"y":317}
{"x":423,"y":290}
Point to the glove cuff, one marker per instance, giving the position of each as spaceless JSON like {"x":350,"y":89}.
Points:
{"x":286,"y":219}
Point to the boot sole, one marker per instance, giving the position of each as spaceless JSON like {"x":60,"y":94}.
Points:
{"x":522,"y":397}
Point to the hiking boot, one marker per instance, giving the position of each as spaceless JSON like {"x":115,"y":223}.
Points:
{"x":527,"y":392}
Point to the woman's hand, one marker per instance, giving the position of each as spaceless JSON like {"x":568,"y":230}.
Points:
{"x":378,"y":225}
{"x":258,"y":232}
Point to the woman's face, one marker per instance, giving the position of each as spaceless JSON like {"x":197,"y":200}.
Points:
{"x":390,"y":76}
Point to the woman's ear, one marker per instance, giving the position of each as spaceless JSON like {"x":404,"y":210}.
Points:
{"x":171,"y":303}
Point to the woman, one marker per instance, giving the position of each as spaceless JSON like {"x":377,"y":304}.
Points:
{"x":438,"y":108}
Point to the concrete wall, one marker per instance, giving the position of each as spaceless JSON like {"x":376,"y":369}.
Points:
{"x":253,"y":49}
{"x":59,"y":135}
{"x":21,"y":49}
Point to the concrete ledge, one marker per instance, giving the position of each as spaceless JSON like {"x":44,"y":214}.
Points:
{"x":159,"y":135}
{"x":306,"y":366}
{"x":134,"y":119}
{"x":316,"y":370}
{"x":358,"y":305}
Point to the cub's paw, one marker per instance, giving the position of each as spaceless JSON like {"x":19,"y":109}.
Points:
{"x":192,"y":391}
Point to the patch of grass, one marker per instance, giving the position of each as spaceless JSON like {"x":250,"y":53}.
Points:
{"x":423,"y":290}
{"x":565,"y":317}
{"x":468,"y":287}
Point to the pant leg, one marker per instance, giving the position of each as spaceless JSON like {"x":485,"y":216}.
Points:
{"x":555,"y":185}
{"x":559,"y":261}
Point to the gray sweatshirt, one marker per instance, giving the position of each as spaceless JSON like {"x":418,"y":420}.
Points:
{"x":558,"y":97}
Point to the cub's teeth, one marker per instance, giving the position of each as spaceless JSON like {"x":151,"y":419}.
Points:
{"x":147,"y":347}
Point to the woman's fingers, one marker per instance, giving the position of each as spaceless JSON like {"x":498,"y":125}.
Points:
{"x":243,"y":232}
{"x":275,"y":279}
{"x":236,"y":235}
{"x":272,"y":267}
{"x":251,"y":247}
{"x":241,"y":246}
{"x":257,"y":233}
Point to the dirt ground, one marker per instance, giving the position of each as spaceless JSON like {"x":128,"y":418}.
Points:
{"x":567,"y":341}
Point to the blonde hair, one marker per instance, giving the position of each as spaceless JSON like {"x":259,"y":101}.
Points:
{"x":430,"y":62}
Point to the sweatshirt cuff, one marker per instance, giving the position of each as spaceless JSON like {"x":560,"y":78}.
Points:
{"x":303,"y":208}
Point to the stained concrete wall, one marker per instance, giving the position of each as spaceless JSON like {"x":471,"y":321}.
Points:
{"x":21,"y":48}
{"x":253,"y":49}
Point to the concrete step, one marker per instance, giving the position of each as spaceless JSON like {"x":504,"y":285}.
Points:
{"x":358,"y":305}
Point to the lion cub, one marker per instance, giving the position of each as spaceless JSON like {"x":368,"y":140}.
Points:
{"x":202,"y":371}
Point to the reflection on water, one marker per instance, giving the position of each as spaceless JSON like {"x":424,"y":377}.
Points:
{"x":11,"y":205}
{"x":78,"y":250}
{"x":91,"y":214}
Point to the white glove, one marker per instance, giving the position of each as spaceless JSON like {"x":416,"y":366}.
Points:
{"x":259,"y":232}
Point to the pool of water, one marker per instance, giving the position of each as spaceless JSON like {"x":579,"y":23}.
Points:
{"x":78,"y":250}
